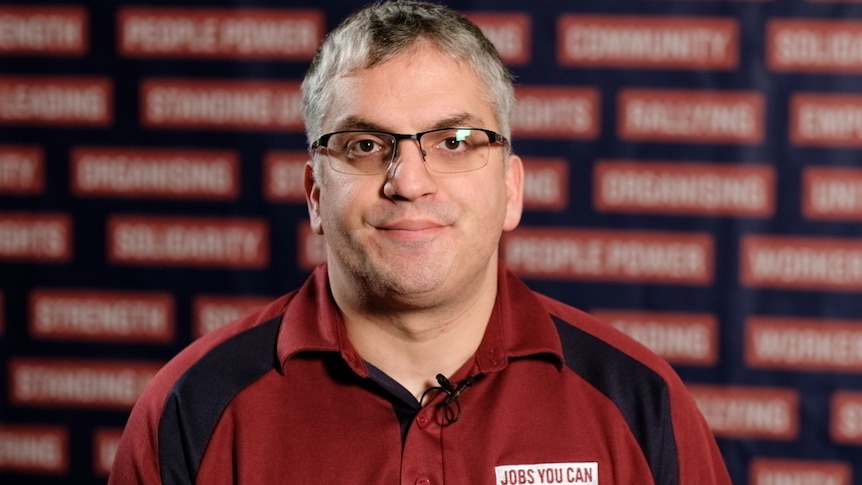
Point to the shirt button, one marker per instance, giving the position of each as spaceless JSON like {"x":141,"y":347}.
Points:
{"x":422,"y":421}
{"x":423,"y":481}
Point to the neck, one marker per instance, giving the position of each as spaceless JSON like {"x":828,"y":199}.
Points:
{"x":414,"y":345}
{"x":414,"y":353}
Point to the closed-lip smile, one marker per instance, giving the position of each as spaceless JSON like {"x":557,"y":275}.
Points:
{"x":411,"y":229}
{"x":411,"y":225}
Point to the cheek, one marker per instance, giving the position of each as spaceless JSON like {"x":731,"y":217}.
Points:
{"x":488,"y":207}
{"x":331,"y":208}
{"x":340,"y":202}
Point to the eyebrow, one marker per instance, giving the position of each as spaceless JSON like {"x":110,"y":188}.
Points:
{"x":456,"y":121}
{"x":357,"y":123}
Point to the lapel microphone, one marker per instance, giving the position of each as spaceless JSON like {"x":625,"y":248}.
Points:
{"x":451,"y":405}
{"x":452,"y":392}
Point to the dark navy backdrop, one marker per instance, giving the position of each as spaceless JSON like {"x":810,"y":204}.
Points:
{"x":90,"y":266}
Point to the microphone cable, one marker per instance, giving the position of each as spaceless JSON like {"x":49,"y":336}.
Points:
{"x":451,"y":404}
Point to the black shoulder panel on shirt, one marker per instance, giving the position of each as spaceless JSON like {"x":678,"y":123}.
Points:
{"x":639,"y":392}
{"x":200,"y":396}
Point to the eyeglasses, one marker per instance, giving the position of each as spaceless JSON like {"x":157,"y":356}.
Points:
{"x":444,"y":150}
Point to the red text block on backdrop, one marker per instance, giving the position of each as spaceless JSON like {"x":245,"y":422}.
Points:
{"x":210,"y":312}
{"x":44,"y":30}
{"x":56,"y":100}
{"x":546,"y":183}
{"x":749,"y":412}
{"x":832,"y":193}
{"x":648,"y":41}
{"x":155,"y":173}
{"x":797,"y":262}
{"x":699,"y":189}
{"x":845,"y":422}
{"x":114,"y":316}
{"x":804,"y":45}
{"x":802,"y":344}
{"x":284,"y":176}
{"x":679,"y":338}
{"x":693,"y":116}
{"x":220,"y":104}
{"x":610,"y":255}
{"x":22,"y":169}
{"x":556,"y":112}
{"x":105,"y":442}
{"x":77,"y":383}
{"x":828,"y":120}
{"x":188,"y":241}
{"x":769,"y":471}
{"x":241,"y":33}
{"x":34,"y":449}
{"x":32,"y":236}
{"x":511,"y":34}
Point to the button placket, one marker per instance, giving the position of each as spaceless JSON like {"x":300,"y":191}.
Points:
{"x":422,"y":460}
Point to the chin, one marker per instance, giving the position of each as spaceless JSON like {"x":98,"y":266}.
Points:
{"x":408,"y":282}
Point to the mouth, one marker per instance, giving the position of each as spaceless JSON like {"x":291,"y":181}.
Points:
{"x":412,"y":229}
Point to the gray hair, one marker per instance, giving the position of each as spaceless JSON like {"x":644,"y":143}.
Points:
{"x":386,"y":29}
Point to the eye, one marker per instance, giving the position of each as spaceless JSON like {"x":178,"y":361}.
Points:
{"x":365,"y":144}
{"x":452,"y":144}
{"x":454,"y":141}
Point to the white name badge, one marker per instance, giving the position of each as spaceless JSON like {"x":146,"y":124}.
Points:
{"x":548,"y":473}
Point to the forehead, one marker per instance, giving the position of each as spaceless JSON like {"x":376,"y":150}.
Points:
{"x":420,"y":89}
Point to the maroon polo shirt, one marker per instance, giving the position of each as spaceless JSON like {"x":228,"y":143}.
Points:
{"x":281,"y":396}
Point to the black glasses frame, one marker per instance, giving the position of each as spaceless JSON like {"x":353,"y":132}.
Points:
{"x":493,"y":137}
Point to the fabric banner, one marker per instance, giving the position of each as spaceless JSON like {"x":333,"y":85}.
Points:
{"x":693,"y":177}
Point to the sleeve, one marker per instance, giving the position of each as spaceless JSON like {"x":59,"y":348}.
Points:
{"x":137,"y":458}
{"x":700,"y":460}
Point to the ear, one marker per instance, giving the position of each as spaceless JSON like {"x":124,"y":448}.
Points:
{"x":514,"y":193}
{"x":312,"y":197}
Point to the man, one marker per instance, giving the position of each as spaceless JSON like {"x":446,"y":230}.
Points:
{"x":413,"y":355}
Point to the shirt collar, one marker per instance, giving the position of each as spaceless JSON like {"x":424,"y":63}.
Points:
{"x":519,"y":325}
{"x":312,"y":322}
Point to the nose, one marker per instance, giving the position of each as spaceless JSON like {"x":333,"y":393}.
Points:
{"x":409,"y":178}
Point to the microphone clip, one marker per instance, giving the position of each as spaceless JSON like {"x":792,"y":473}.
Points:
{"x":451,"y":404}
{"x":452,"y":391}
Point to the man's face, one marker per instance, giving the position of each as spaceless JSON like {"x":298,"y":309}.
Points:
{"x":411,"y":235}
